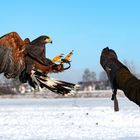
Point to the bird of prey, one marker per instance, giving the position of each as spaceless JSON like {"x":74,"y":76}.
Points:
{"x":26,"y":59}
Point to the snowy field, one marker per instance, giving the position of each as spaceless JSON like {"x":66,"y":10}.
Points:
{"x":68,"y":119}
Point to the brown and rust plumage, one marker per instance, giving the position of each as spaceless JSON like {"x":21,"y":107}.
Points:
{"x":26,"y":60}
{"x":12,"y":55}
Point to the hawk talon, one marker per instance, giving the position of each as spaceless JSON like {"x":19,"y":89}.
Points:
{"x":65,"y":61}
{"x":58,"y":58}
{"x":67,"y":58}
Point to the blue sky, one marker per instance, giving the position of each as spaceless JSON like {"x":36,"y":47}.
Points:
{"x":85,"y":26}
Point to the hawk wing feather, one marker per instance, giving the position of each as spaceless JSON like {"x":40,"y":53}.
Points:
{"x":11,"y":54}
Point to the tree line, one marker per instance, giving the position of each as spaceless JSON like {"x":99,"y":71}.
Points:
{"x":90,"y":78}
{"x":102,"y":81}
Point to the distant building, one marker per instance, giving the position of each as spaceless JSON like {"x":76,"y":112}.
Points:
{"x":96,"y":85}
{"x":87,"y":86}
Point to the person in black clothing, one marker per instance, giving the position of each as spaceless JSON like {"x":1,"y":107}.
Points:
{"x":120,"y":76}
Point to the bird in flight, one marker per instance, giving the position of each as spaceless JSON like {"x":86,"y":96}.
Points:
{"x":26,"y":60}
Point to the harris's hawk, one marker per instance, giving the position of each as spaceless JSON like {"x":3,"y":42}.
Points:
{"x":26,"y":59}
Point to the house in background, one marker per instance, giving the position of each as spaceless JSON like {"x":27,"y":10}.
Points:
{"x":96,"y":85}
{"x":87,"y":86}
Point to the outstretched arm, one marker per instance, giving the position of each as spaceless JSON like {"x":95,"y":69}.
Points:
{"x":119,"y":75}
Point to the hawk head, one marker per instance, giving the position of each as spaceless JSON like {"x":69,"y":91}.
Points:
{"x":42,"y":40}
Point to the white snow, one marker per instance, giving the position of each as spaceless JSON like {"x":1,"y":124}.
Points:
{"x":68,"y":119}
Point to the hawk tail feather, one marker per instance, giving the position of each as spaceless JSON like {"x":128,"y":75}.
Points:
{"x":59,"y":87}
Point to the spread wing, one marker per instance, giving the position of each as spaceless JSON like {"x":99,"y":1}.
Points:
{"x":37,"y":53}
{"x":11,"y":54}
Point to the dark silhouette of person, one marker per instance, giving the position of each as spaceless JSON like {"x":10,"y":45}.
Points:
{"x":120,"y":76}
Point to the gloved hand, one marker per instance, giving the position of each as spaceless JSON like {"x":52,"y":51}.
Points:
{"x":107,"y":60}
{"x":111,"y":65}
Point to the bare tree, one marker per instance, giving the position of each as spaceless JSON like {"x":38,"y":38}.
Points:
{"x":93,"y":76}
{"x":130,"y":66}
{"x":86,"y":75}
{"x":5,"y":86}
{"x":89,"y":76}
{"x":104,"y":82}
{"x":103,"y":76}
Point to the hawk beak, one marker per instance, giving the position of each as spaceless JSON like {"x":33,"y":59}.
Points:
{"x":48,"y":40}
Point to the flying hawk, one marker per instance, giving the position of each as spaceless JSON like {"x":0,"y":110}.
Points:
{"x":26,"y":59}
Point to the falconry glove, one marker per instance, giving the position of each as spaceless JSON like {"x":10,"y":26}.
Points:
{"x":111,"y":65}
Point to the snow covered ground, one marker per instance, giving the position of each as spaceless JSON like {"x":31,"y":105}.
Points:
{"x":68,"y":119}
